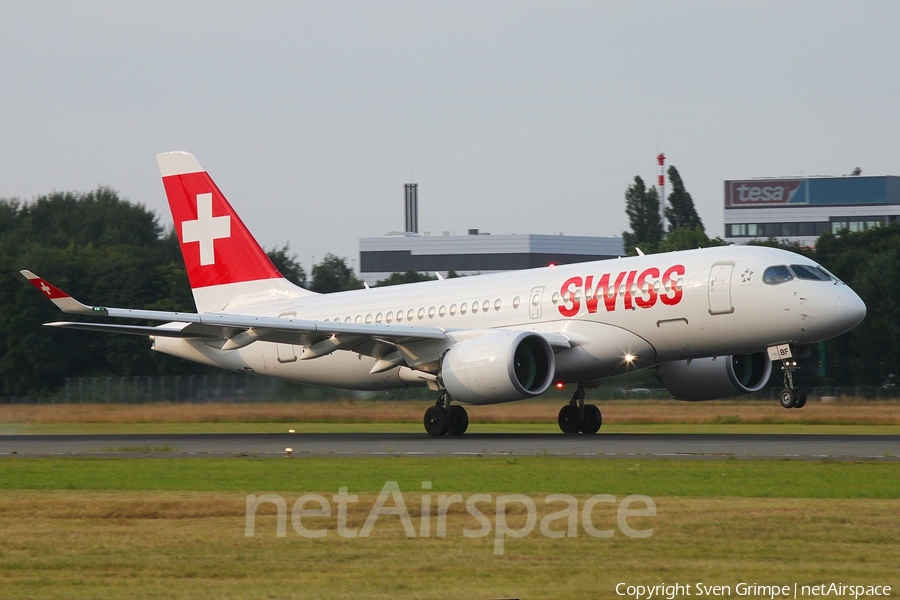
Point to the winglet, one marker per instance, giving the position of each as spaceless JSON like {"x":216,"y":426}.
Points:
{"x":62,"y":300}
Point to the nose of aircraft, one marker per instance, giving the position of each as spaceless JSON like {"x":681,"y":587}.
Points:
{"x":849,"y":308}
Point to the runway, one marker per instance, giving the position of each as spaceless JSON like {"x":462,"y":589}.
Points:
{"x":674,"y":446}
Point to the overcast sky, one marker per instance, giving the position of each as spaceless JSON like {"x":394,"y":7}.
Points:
{"x":513,"y":117}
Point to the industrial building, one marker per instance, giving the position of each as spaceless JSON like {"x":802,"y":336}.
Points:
{"x":476,"y":253}
{"x":799,"y":209}
{"x":471,"y":254}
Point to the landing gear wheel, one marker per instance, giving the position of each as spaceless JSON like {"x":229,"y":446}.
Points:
{"x":592,"y":419}
{"x":569,"y":421}
{"x":459,"y":420}
{"x":801,"y":399}
{"x":437,"y":421}
{"x":788,"y":398}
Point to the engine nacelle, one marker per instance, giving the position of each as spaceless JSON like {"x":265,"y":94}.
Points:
{"x":498,"y":366}
{"x":717,"y":377}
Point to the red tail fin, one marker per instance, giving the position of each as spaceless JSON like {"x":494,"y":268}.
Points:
{"x":218,"y":249}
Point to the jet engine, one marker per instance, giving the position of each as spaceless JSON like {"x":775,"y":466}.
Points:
{"x":716,"y":377}
{"x":498,"y":366}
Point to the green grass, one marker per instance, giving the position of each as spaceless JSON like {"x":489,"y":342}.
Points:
{"x":527,"y":475}
{"x":162,"y":527}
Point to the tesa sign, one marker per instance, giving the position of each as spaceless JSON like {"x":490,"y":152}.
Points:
{"x":756,"y":193}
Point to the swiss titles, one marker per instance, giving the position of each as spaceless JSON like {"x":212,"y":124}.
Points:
{"x":636,"y":289}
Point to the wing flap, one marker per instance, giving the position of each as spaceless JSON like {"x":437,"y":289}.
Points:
{"x":135,"y":330}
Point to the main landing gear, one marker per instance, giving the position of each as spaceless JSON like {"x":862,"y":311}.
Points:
{"x":444,"y":418}
{"x":791,"y":397}
{"x":576,"y":416}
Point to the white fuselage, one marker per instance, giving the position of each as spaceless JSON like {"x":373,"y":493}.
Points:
{"x":653,"y":308}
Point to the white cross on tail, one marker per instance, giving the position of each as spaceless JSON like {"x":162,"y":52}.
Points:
{"x":206,"y":229}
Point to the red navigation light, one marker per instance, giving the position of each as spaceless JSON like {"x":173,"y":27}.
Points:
{"x":560,"y":385}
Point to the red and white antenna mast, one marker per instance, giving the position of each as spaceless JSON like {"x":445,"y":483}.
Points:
{"x":661,"y":160}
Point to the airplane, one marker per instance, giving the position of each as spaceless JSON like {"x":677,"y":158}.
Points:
{"x":711,"y":321}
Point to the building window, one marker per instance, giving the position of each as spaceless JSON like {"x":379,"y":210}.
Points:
{"x":788,"y":229}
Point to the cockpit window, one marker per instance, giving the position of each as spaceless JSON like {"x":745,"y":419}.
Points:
{"x":807,"y":272}
{"x":778,"y":274}
{"x":825,"y":272}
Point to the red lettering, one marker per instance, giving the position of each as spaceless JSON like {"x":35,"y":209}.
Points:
{"x":609,"y":294}
{"x":642,"y":302}
{"x":570,"y":305}
{"x":670,"y":281}
{"x":590,"y":298}
{"x":628,"y":283}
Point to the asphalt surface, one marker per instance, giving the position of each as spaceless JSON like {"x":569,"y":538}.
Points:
{"x":689,"y":446}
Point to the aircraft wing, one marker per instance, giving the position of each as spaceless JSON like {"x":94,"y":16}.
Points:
{"x":225,"y":323}
{"x":392,"y":345}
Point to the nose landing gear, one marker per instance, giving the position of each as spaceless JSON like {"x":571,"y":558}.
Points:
{"x":442,"y":418}
{"x":576,"y":416}
{"x":791,"y":397}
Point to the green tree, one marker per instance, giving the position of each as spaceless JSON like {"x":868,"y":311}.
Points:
{"x":286,"y":263}
{"x":642,"y":208}
{"x":685,"y":238}
{"x":407,"y":277}
{"x":680,"y":212}
{"x":333,"y":275}
{"x":869,"y":262}
{"x":101,"y":249}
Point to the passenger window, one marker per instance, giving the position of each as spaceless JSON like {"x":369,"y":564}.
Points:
{"x":462,"y":308}
{"x":554,"y":299}
{"x":516,"y":301}
{"x":389,"y":317}
{"x":775,"y":275}
{"x":421,"y":313}
{"x":368,"y":318}
{"x":410,"y":314}
{"x":474,"y":307}
{"x":442,"y":311}
{"x":486,"y":305}
{"x":806,"y":272}
{"x":378,"y":317}
{"x":399,"y":316}
{"x":497,"y":304}
{"x":431,"y":313}
{"x":452,"y":310}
